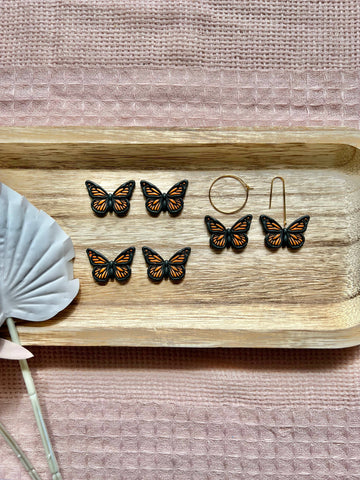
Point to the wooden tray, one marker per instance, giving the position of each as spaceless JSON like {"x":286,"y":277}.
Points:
{"x":256,"y":298}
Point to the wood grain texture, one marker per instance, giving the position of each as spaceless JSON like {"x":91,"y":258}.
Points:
{"x":307,"y":298}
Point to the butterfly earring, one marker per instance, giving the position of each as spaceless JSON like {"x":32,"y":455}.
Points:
{"x":158,"y":268}
{"x":277,"y":236}
{"x":222,"y":237}
{"x":103,"y":202}
{"x":104,"y":269}
{"x":156,"y":201}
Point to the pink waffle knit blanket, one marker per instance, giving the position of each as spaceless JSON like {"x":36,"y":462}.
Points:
{"x":184,"y":414}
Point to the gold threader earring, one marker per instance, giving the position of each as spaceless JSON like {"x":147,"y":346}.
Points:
{"x":277,"y":236}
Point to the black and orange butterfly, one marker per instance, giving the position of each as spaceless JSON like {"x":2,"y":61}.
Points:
{"x":104,"y":269}
{"x":103,"y":202}
{"x":158,"y":268}
{"x":291,"y":236}
{"x":222,"y":237}
{"x":172,"y":201}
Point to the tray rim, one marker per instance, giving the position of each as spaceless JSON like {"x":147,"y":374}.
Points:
{"x":162,"y":135}
{"x":201,"y":136}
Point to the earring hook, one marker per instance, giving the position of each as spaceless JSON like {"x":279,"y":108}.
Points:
{"x":284,"y":196}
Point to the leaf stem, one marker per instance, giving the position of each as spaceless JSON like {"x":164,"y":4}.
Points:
{"x":21,"y":455}
{"x":30,"y":386}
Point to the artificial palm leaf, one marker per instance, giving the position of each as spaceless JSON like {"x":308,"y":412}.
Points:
{"x":35,"y":261}
{"x":36,"y":279}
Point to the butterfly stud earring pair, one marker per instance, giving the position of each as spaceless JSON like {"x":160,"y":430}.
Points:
{"x":277,"y":236}
{"x":120,"y":268}
{"x":119,"y":202}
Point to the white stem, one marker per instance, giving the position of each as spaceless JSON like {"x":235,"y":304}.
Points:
{"x":30,"y":386}
{"x":19,"y":453}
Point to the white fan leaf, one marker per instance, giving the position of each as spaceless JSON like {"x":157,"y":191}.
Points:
{"x":36,"y":271}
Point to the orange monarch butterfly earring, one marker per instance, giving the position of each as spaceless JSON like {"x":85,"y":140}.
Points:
{"x":158,"y":268}
{"x":237,"y":209}
{"x":103,"y":202}
{"x":156,"y":201}
{"x":222,"y":237}
{"x":103,"y":269}
{"x":291,"y":236}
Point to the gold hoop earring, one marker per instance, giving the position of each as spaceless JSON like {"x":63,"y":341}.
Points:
{"x":245,"y":185}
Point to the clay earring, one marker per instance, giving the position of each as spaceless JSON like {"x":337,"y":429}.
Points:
{"x":291,"y":236}
{"x":104,"y":269}
{"x":156,"y":201}
{"x":158,"y":268}
{"x":237,"y":209}
{"x":222,"y":237}
{"x":103,"y":202}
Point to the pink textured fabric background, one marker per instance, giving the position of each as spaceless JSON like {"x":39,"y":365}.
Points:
{"x":184,"y":414}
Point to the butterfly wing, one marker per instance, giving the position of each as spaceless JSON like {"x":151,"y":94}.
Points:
{"x":177,"y":264}
{"x":101,"y":265}
{"x":274,"y":232}
{"x":122,"y":264}
{"x":238,"y":231}
{"x":295,"y":237}
{"x":94,"y":190}
{"x":155,"y":264}
{"x":175,"y":197}
{"x":125,"y":257}
{"x":100,"y":198}
{"x":153,"y":197}
{"x":295,"y":240}
{"x":121,"y":197}
{"x":217,"y":231}
{"x":299,"y":225}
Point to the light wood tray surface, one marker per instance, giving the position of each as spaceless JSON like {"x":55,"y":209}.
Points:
{"x":255,"y":298}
